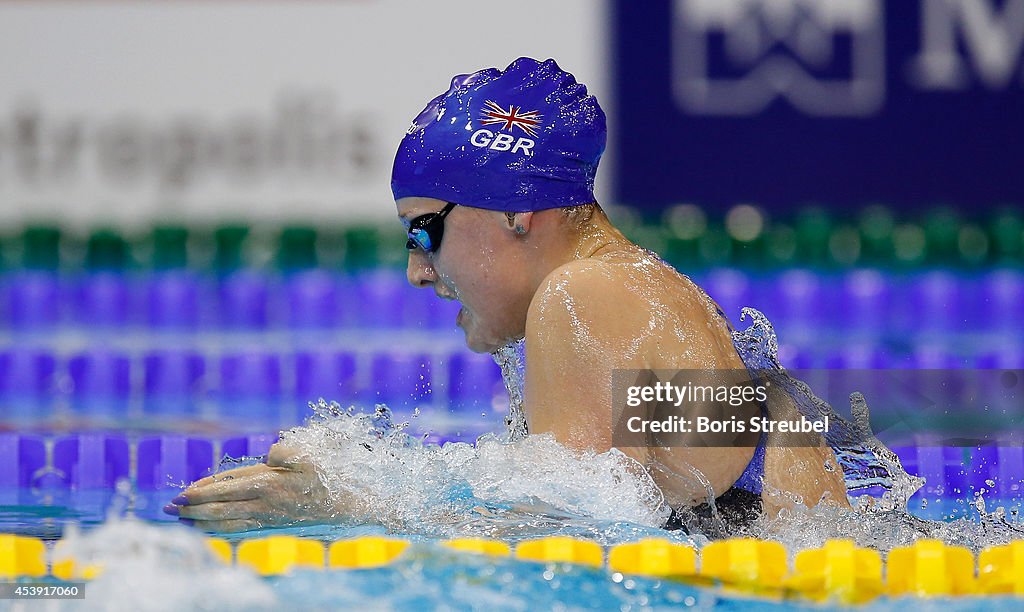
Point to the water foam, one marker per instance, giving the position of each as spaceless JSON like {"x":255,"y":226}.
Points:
{"x":881,"y":522}
{"x":386,"y":476}
{"x":145,"y":567}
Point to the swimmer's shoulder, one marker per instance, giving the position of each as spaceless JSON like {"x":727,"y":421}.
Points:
{"x":592,"y":280}
{"x":584,"y":293}
{"x":642,"y":271}
{"x":629,"y":281}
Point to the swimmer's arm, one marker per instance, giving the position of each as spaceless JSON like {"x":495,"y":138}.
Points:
{"x":583,"y":325}
{"x":570,"y":352}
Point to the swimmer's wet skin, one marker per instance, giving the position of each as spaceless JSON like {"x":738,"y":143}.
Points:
{"x":494,"y":183}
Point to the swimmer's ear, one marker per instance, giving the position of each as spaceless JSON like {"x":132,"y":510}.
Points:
{"x":519,"y":222}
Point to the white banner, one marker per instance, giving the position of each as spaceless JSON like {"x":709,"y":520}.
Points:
{"x":129,"y":113}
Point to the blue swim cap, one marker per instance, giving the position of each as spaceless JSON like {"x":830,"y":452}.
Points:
{"x":523,"y":139}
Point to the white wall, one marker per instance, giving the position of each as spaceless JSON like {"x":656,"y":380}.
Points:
{"x":131,"y":112}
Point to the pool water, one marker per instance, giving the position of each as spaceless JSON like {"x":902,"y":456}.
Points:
{"x":154,"y":565}
{"x":111,"y":511}
{"x":152,"y":562}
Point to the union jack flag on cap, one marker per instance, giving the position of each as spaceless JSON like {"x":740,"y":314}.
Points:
{"x":522,"y":139}
{"x":510,"y":118}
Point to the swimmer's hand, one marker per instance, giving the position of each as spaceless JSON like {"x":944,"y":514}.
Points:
{"x":284,"y":491}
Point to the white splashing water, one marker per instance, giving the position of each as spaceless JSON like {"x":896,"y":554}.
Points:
{"x":880,"y":523}
{"x":512,"y":361}
{"x":145,"y":567}
{"x":389,"y":477}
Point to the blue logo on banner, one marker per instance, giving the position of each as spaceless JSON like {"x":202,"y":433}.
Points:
{"x":784,"y":102}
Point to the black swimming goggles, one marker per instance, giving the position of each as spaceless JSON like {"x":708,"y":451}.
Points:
{"x":425,"y":231}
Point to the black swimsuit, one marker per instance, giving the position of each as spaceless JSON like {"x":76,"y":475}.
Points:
{"x":737,"y":508}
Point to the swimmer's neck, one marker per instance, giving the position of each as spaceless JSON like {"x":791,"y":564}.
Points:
{"x":559,"y":243}
{"x":596,"y":237}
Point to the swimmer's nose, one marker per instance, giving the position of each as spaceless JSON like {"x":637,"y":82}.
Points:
{"x":419,"y":270}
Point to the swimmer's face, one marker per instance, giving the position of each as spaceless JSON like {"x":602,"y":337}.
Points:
{"x":478,"y":266}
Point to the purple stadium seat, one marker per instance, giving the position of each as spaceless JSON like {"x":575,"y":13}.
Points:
{"x":101,"y":381}
{"x":250,"y":387}
{"x":174,"y":381}
{"x":386,"y":299}
{"x":26,"y":372}
{"x":102,"y":299}
{"x":473,"y":381}
{"x":170,"y":460}
{"x":173,"y":300}
{"x":312,"y":299}
{"x":797,"y":296}
{"x":400,"y":379}
{"x":731,"y":289}
{"x":34,"y":299}
{"x":1003,"y":298}
{"x":867,"y":301}
{"x":21,"y":456}
{"x":248,"y":446}
{"x":91,"y":460}
{"x":244,"y":300}
{"x":325,"y":373}
{"x":26,"y":382}
{"x":935,"y":302}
